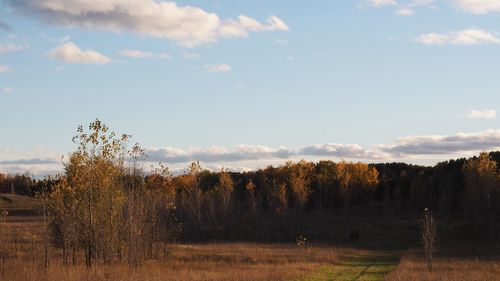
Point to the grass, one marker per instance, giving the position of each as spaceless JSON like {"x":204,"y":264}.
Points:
{"x":204,"y":262}
{"x":362,"y":266}
{"x":458,"y":261}
{"x":18,"y":204}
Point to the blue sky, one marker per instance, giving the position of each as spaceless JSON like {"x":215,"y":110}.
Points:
{"x":244,"y":84}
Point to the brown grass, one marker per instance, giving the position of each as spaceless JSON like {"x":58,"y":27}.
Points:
{"x":449,"y":266}
{"x":11,"y":203}
{"x":209,"y":262}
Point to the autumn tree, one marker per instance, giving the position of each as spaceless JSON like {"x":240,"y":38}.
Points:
{"x":103,"y":205}
{"x":481,"y":190}
{"x":299,"y":179}
{"x":354,"y":179}
{"x":251,"y":197}
{"x":191,"y":196}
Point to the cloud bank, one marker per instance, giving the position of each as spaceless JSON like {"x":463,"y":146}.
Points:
{"x":188,"y":25}
{"x":245,"y":157}
{"x":407,"y":147}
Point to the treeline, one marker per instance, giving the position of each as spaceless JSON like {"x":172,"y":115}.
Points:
{"x":23,"y":184}
{"x":104,"y":207}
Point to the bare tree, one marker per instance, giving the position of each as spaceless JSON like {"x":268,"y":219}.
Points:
{"x":428,"y":236}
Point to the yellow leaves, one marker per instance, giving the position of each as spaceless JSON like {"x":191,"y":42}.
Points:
{"x":250,"y":186}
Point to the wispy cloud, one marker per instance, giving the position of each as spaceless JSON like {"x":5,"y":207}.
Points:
{"x":136,"y":54}
{"x":403,"y":8}
{"x":470,"y":36}
{"x":218,"y":67}
{"x":190,"y":56}
{"x":7,"y":90}
{"x":482,"y":114}
{"x":11,"y":48}
{"x":281,"y":41}
{"x":4,"y":68}
{"x":188,"y":25}
{"x":71,"y":53}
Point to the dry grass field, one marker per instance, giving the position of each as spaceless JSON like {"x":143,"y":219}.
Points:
{"x":466,"y":264}
{"x":18,"y":204}
{"x":207,"y":262}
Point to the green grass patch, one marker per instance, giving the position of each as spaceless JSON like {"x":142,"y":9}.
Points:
{"x":371,"y":266}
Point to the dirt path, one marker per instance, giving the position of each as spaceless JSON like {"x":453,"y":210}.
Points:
{"x":372,"y":266}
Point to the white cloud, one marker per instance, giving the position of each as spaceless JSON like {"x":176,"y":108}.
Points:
{"x":482,"y":114}
{"x":478,"y":7}
{"x":403,"y":8}
{"x":382,"y":3}
{"x":188,"y":25}
{"x":10,"y":48}
{"x":218,"y":67}
{"x":136,"y":54}
{"x":71,"y":53}
{"x":465,"y":37}
{"x":4,"y":68}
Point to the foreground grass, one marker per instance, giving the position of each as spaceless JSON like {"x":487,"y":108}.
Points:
{"x":362,"y":266}
{"x":207,"y":262}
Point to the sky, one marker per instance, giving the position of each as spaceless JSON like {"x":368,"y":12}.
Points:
{"x":244,"y":84}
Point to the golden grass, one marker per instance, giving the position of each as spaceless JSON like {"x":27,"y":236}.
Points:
{"x":447,"y":267}
{"x":208,"y":262}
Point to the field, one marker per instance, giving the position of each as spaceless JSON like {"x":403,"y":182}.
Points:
{"x":18,"y":205}
{"x":464,"y":261}
{"x":377,"y":256}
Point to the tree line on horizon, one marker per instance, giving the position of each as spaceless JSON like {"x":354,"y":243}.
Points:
{"x":107,"y":207}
